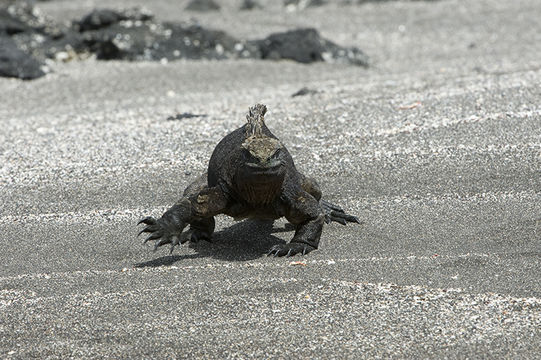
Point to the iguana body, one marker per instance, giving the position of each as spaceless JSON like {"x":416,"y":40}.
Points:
{"x":250,"y":175}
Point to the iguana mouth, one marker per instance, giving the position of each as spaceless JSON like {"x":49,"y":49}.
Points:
{"x":268,"y":165}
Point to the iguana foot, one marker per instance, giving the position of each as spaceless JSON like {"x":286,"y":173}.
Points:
{"x":196,"y":235}
{"x":290,"y":249}
{"x":201,"y":229}
{"x":336,"y":213}
{"x":163,"y":231}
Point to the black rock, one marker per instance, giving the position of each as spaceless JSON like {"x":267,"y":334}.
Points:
{"x":98,"y":19}
{"x":203,"y":5}
{"x":122,"y":42}
{"x":29,"y":38}
{"x":250,"y":5}
{"x":45,"y":46}
{"x":9,"y":24}
{"x":16,"y":63}
{"x":151,"y":40}
{"x":156,"y":41}
{"x":35,"y":34}
{"x":303,"y":45}
{"x":306,"y":46}
{"x":196,"y":42}
{"x":22,"y":17}
{"x":102,"y":18}
{"x":70,"y":44}
{"x":121,"y":35}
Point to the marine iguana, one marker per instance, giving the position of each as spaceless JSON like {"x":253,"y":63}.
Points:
{"x":250,"y":175}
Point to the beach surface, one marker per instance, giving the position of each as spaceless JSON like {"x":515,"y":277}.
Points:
{"x":436,"y":147}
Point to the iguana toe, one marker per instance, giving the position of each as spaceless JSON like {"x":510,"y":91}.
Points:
{"x":337,"y":214}
{"x":149,"y":220}
{"x":153,"y":236}
{"x":290,"y":249}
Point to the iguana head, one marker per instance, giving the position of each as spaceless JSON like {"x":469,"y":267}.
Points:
{"x":261,"y":151}
{"x":262,"y":170}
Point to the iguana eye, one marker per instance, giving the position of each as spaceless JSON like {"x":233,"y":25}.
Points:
{"x":246,"y":153}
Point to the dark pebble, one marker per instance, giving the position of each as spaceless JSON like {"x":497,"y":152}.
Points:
{"x":203,"y":5}
{"x":185,"y":116}
{"x":304,"y":91}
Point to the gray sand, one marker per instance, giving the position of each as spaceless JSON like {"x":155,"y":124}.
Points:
{"x":436,"y":147}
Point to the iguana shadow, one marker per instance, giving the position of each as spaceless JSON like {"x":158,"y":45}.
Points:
{"x":243,"y":241}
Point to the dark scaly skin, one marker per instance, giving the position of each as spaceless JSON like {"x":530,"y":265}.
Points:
{"x":250,"y":175}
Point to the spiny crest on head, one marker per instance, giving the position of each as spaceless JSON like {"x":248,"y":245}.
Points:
{"x":255,"y":120}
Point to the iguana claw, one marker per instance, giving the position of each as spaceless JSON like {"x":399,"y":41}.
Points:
{"x":166,"y":230}
{"x":153,"y":236}
{"x":337,"y":214}
{"x":290,"y":249}
{"x":149,"y":220}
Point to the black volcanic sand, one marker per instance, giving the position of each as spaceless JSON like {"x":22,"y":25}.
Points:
{"x":27,"y":39}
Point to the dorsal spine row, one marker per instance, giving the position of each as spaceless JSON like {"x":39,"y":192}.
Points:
{"x":255,"y":119}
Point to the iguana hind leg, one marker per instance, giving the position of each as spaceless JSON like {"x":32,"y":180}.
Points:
{"x":202,"y":229}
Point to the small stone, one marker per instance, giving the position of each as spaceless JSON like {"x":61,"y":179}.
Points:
{"x":304,"y":91}
{"x":203,"y":5}
{"x":250,"y":5}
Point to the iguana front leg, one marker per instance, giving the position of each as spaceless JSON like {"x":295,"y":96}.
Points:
{"x":336,"y":213}
{"x":332,"y":212}
{"x":196,"y":209}
{"x":305,"y":213}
